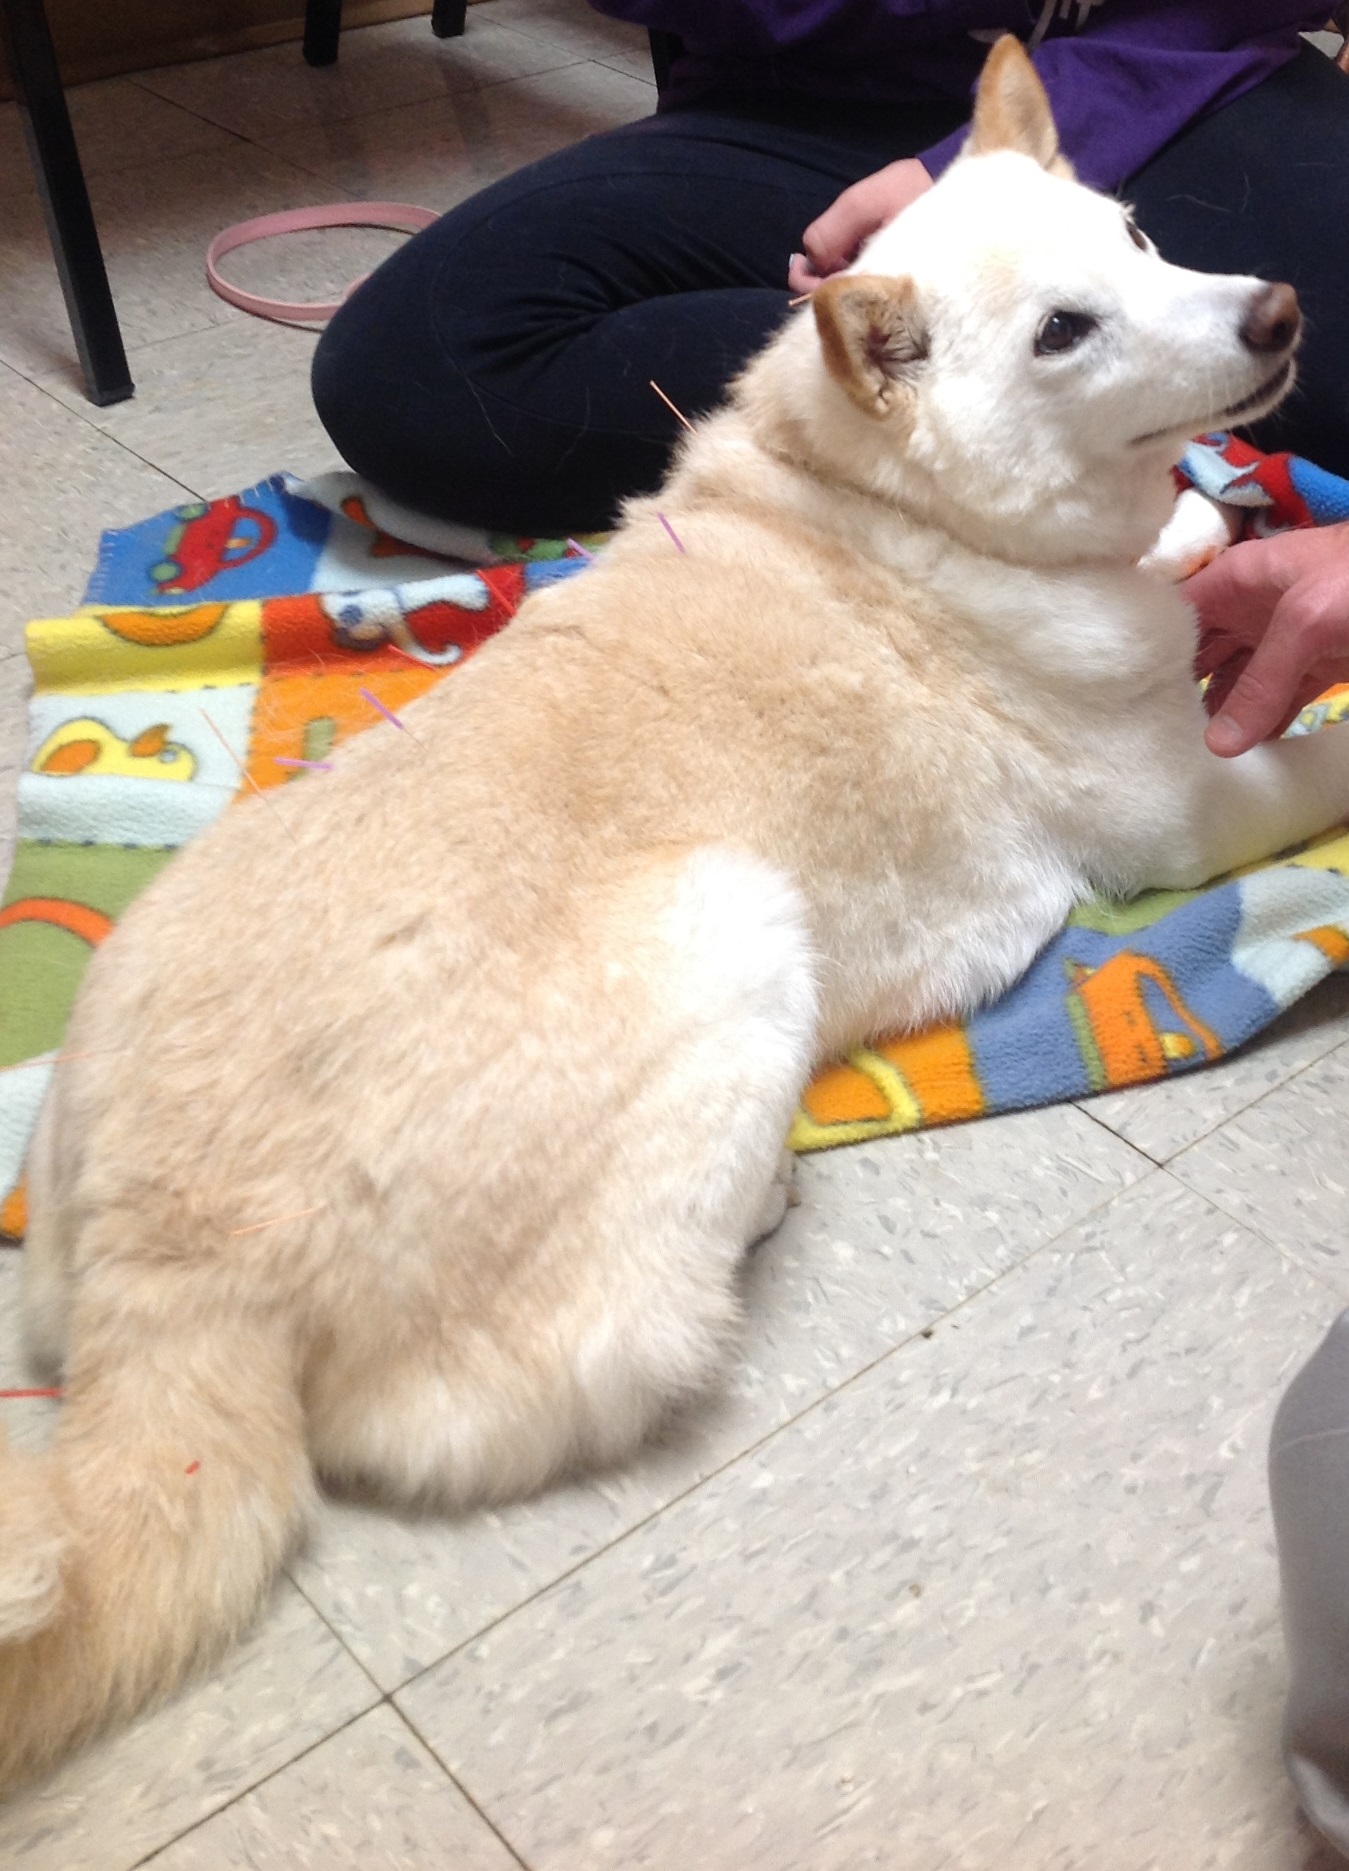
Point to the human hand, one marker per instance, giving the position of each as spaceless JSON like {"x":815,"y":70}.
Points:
{"x":830,"y":242}
{"x":1273,"y":631}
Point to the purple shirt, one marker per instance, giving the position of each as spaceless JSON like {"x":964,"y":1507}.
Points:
{"x":1133,"y":75}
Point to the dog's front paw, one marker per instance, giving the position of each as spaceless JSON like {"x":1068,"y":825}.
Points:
{"x":780,"y":1195}
{"x":1198,"y":530}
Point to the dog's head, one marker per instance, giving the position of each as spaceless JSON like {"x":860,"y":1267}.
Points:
{"x":1012,"y":355}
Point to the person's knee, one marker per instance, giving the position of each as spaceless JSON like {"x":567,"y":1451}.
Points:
{"x":482,"y":415}
{"x":335,"y":381}
{"x":388,"y":389}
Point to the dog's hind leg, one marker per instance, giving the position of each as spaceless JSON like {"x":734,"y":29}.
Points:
{"x":627,"y":1305}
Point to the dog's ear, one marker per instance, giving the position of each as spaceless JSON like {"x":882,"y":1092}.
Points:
{"x":1011,"y":110}
{"x":871,"y":336}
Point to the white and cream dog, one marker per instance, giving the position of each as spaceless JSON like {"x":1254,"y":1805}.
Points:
{"x":512,"y":1017}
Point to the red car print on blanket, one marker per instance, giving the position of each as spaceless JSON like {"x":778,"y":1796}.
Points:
{"x":208,"y":540}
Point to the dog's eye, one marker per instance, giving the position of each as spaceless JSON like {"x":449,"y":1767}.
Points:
{"x":1138,"y":237}
{"x":1061,"y":331}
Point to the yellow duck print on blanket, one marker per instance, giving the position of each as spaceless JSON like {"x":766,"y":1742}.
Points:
{"x":89,"y":746}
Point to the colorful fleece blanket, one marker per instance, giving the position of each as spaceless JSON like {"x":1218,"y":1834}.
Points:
{"x":231,"y":644}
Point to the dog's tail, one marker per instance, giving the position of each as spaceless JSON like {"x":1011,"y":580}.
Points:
{"x":144,"y":1541}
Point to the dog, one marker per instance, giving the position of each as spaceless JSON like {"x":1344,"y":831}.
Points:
{"x":499,"y":1027}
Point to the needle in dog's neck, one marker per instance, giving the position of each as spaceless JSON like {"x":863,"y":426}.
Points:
{"x":671,"y":406}
{"x":389,"y":715}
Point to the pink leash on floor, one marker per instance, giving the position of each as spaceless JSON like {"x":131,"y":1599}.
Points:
{"x":395,"y":214}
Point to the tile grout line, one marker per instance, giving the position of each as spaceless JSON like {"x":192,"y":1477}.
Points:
{"x":1250,"y":1048}
{"x":107,"y":434}
{"x":1258,"y":1230}
{"x":133,"y":78}
{"x":133,"y":351}
{"x":331,"y":1629}
{"x":925,"y":1332}
{"x":1290,"y":1259}
{"x":332,"y":180}
{"x":1273,"y":1091}
{"x":566,"y":62}
{"x":623,"y":72}
{"x":384,"y":1700}
{"x":1105,"y":1125}
{"x":455,"y":1781}
{"x":243,"y":1793}
{"x":1285,"y":1255}
{"x":299,"y":173}
{"x":145,"y":461}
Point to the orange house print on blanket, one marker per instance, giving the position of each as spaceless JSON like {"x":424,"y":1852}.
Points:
{"x":900,"y":1084}
{"x":1120,"y":1042}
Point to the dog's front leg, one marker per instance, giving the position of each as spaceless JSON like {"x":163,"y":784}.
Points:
{"x":1233,"y":812}
{"x":1198,"y":530}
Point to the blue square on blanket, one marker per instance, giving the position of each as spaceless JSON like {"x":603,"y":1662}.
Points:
{"x":1326,"y":494}
{"x":542,"y":572}
{"x":262,"y":543}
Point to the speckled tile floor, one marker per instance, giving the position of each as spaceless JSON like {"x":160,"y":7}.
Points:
{"x":970,"y":1568}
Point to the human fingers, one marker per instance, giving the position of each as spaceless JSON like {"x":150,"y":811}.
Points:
{"x":834,"y":237}
{"x":801,"y":276}
{"x":1234,"y":596}
{"x":1223,"y":673}
{"x":1214,"y":650}
{"x":831,"y":241}
{"x":1302,"y":651}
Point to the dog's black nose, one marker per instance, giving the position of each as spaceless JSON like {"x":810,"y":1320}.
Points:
{"x":1273,"y":319}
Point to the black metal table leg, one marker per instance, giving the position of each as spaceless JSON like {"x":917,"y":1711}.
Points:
{"x":322,"y":30}
{"x":323,"y":26}
{"x":65,"y":200}
{"x":448,"y":18}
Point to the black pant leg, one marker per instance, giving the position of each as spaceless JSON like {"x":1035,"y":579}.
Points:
{"x":1262,"y":186}
{"x":495,"y":370}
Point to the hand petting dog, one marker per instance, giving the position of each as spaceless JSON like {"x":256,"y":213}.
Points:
{"x":1273,"y":632}
{"x":833,"y":240}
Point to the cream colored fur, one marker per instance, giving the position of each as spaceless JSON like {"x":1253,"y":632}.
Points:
{"x":522,"y":1006}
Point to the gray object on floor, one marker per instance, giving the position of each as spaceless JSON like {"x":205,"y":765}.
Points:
{"x":1309,"y":1489}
